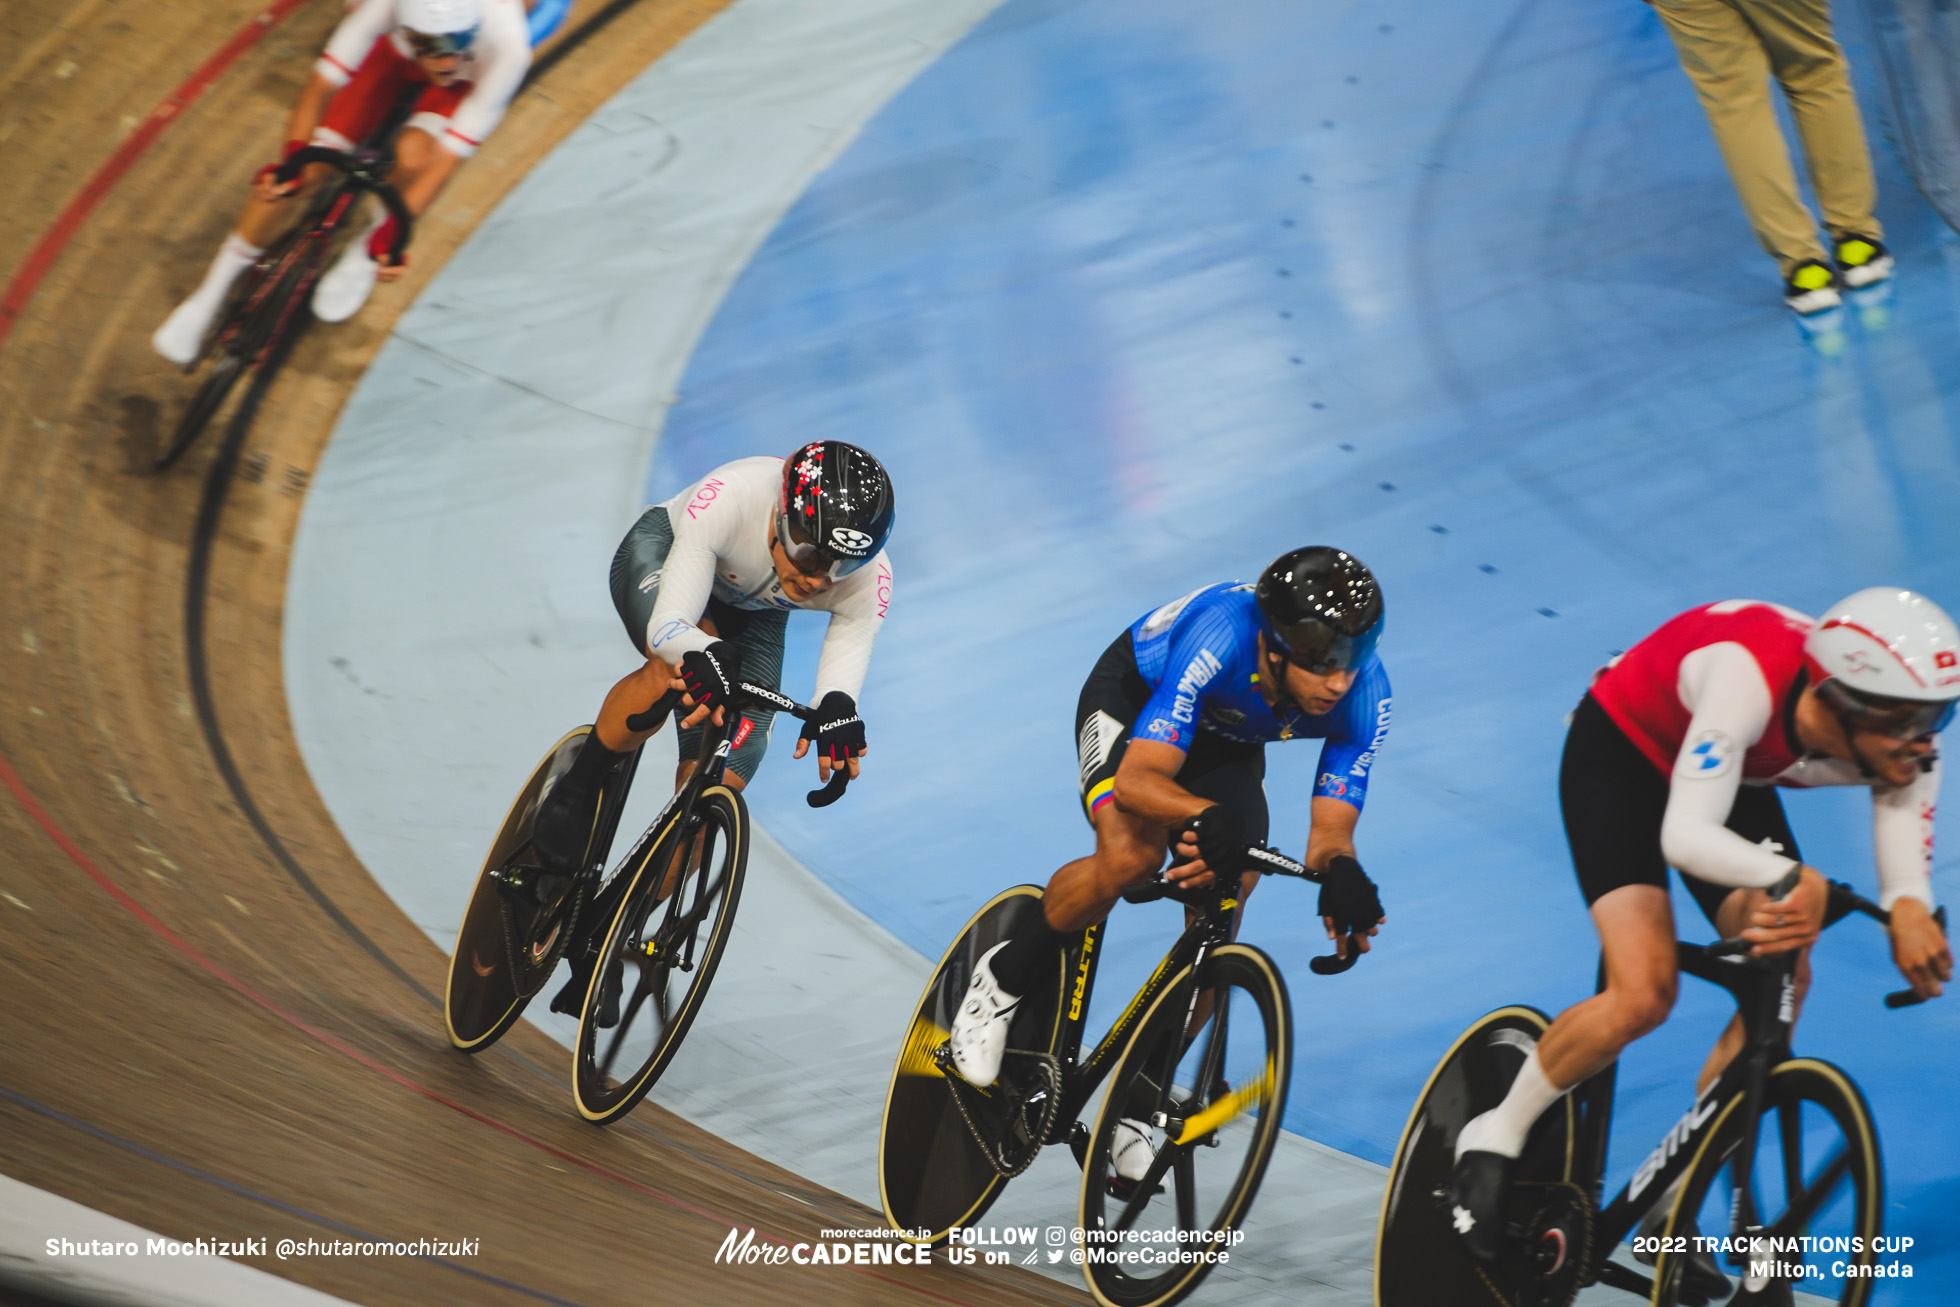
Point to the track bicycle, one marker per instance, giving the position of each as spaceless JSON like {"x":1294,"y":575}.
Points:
{"x":664,"y":913}
{"x":1202,"y":1056}
{"x":1793,"y":1135}
{"x":273,"y":303}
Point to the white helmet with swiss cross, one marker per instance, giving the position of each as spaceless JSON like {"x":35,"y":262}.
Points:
{"x":1889,"y":654}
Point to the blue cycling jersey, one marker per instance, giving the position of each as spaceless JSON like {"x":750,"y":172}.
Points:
{"x":1200,"y":655}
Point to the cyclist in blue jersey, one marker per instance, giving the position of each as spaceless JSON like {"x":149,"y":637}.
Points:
{"x":1171,"y":732}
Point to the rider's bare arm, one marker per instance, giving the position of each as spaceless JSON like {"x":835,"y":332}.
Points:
{"x":1146,"y":787}
{"x":1332,"y":832}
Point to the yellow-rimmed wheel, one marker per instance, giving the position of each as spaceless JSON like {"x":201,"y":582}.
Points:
{"x":1419,"y":1259}
{"x":1818,"y":1184}
{"x":933,"y":1172}
{"x":518,"y":921}
{"x":1187,"y":1128}
{"x":659,"y":955}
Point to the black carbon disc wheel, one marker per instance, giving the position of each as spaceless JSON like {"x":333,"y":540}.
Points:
{"x":502,"y":958}
{"x":933,"y":1173}
{"x":1419,"y":1259}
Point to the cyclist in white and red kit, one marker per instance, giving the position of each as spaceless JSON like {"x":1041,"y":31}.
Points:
{"x":468,"y":56}
{"x":705,"y":584}
{"x":1674,"y":757}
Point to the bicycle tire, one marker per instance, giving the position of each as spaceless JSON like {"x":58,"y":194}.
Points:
{"x":209,"y":397}
{"x":1841,"y":1113}
{"x":932,"y":1175}
{"x":489,"y":983}
{"x":706,"y":895}
{"x":1232,"y":1104}
{"x":1419,"y":1260}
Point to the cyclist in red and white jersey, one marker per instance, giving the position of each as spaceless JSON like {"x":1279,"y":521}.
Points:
{"x":1673,"y":758}
{"x":469,"y":55}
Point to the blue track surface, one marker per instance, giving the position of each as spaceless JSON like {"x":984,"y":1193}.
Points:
{"x":1132,"y":296}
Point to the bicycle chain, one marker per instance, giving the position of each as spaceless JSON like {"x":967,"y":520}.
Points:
{"x":1051,"y":1072}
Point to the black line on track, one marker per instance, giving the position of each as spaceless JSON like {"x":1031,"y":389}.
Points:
{"x":210,"y":511}
{"x":197,"y":585}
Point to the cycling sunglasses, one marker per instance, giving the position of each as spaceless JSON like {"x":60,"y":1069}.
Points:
{"x":1318,"y":648}
{"x":1895,"y":719}
{"x":810,"y":558}
{"x":438,"y":45}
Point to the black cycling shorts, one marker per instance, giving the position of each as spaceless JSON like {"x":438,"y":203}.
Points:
{"x":1227,"y":772}
{"x":1613,"y":799}
{"x":756,"y":635}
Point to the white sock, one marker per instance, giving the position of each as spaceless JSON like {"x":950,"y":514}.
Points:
{"x":1502,"y":1130}
{"x":234,"y":256}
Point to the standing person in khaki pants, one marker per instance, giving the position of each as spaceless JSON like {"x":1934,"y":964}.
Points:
{"x":1730,"y":49}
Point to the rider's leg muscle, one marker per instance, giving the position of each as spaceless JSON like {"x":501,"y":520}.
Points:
{"x":1636,"y":933}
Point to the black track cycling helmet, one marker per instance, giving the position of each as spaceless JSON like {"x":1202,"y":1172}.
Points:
{"x":836,"y":508}
{"x":1323,"y":609}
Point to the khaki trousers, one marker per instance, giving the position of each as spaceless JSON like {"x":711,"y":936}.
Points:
{"x":1730,"y":49}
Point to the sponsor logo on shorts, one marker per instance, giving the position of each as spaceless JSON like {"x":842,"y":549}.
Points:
{"x":649,"y":581}
{"x":1095,"y":742}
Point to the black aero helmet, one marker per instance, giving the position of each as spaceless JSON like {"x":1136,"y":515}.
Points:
{"x":1323,"y":609}
{"x":836,"y":508}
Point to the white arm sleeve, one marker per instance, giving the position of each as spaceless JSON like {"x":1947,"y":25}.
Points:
{"x":686,"y":581}
{"x":1724,"y":689}
{"x":857,"y":614}
{"x":365,"y":24}
{"x":1902,"y":839}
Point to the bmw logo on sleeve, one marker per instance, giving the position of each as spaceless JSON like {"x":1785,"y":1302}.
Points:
{"x":1709,"y":755}
{"x":854,"y":543}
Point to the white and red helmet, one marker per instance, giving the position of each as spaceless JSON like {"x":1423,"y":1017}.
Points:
{"x":1889,"y":652}
{"x":1890,"y":643}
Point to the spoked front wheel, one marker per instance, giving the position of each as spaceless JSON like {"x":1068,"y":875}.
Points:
{"x":1184,"y":1136}
{"x":1817,"y":1172}
{"x":1420,"y":1261}
{"x":519,"y":918}
{"x":659,"y":955}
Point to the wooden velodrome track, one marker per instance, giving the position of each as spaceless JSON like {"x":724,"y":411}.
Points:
{"x":212,"y":1022}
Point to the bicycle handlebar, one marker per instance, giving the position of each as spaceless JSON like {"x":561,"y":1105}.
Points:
{"x":361,"y":172}
{"x":1842,"y":903}
{"x":1267,"y":862}
{"x":744,"y":695}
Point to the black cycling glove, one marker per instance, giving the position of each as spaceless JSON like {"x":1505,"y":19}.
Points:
{"x":836,"y":730}
{"x":709,"y":674}
{"x":1220,"y":836}
{"x":1349,"y":897}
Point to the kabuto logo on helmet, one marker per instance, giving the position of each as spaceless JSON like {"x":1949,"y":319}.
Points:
{"x":853,"y":542}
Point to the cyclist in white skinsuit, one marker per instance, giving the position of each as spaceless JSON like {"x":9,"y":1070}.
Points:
{"x":705,"y":584}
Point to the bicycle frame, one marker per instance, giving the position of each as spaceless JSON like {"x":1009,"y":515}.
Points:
{"x":1765,"y":994}
{"x":1082,"y":1077}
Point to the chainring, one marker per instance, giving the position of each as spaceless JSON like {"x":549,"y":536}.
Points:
{"x":1546,"y":1265}
{"x":1022,"y":1107}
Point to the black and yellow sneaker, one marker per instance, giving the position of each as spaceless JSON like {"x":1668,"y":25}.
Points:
{"x":1811,"y":288}
{"x":1862,"y":261}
